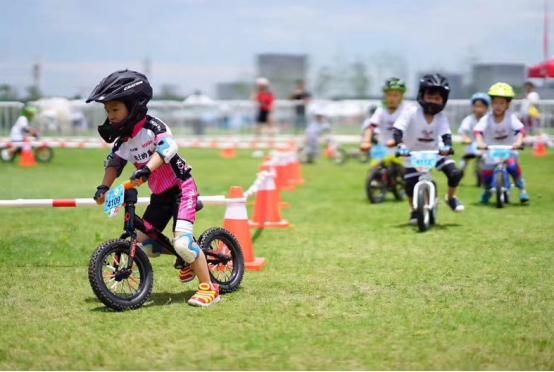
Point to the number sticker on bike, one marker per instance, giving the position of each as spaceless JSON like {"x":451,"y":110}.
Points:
{"x":424,"y":160}
{"x":114,"y":201}
{"x":500,"y":154}
{"x":378,"y":152}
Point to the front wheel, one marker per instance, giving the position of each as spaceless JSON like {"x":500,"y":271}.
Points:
{"x":376,"y":188}
{"x":423,"y":209}
{"x":6,"y":155}
{"x":224,"y":257}
{"x":44,"y":154}
{"x":116,"y":286}
{"x":499,"y":183}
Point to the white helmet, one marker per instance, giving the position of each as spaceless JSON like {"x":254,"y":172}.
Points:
{"x":262,"y":81}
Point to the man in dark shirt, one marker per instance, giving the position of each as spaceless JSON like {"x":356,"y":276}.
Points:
{"x":301,"y":98}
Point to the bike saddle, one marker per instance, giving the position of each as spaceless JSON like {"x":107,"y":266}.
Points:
{"x":199,"y":205}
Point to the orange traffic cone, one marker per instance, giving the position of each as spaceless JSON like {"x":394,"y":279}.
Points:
{"x":282,"y":169}
{"x":267,"y":211}
{"x":296,"y":170}
{"x":236,"y":221}
{"x":540,"y":150}
{"x":228,"y":153}
{"x":27,"y":156}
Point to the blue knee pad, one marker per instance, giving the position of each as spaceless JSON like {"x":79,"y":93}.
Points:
{"x":186,"y":247}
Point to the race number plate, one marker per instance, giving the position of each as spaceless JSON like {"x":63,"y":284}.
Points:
{"x":114,"y":201}
{"x":423,"y":160}
{"x":500,"y":154}
{"x":378,"y":152}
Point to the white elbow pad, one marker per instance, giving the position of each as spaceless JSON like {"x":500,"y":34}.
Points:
{"x":167,"y":148}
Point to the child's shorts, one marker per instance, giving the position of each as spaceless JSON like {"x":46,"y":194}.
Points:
{"x":178,"y":203}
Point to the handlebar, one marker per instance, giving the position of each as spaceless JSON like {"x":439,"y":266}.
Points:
{"x":504,"y":147}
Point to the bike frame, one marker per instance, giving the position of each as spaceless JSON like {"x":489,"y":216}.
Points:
{"x":132,"y":223}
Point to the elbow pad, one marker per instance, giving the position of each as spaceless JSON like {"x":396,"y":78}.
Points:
{"x":114,"y":161}
{"x":397,"y":135}
{"x":167,"y":148}
{"x":447,"y":140}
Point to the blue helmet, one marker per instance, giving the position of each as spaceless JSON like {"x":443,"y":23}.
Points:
{"x":483,"y":97}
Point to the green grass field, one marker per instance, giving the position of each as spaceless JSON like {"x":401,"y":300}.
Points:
{"x":351,"y":286}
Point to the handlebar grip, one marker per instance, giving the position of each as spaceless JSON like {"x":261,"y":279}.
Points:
{"x":132,"y":184}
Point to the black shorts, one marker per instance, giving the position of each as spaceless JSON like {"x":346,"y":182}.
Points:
{"x":262,"y":117}
{"x":162,"y":208}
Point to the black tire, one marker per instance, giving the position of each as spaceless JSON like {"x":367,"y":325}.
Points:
{"x":44,"y":154}
{"x":100,"y":287}
{"x":375,"y":187}
{"x":398,"y":187}
{"x":499,"y":183}
{"x":423,"y":214}
{"x":478,"y":179}
{"x":7,"y":160}
{"x":230,"y":282}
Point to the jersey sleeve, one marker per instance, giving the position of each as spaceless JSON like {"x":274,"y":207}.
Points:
{"x":517,"y":125}
{"x":481,"y":124}
{"x":403,"y":121}
{"x":444,"y":126}
{"x":121,"y":150}
{"x":166,"y":146}
{"x":375,"y":119}
{"x":465,"y":126}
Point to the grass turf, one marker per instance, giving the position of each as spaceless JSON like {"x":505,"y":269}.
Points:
{"x":351,"y":286}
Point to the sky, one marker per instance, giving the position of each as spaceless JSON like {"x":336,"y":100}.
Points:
{"x":195,"y":43}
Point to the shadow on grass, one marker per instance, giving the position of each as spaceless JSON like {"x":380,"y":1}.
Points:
{"x":440,"y":226}
{"x":156,"y":299}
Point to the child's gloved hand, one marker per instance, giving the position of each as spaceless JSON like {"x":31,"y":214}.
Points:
{"x":99,"y":194}
{"x":446,"y":150}
{"x":142,"y":174}
{"x":402,"y":150}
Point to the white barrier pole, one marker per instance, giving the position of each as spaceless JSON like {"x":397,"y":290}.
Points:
{"x":89,"y":202}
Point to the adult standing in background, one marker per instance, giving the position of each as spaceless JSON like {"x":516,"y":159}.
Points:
{"x":529,"y":112}
{"x":301,"y":98}
{"x":265,"y":100}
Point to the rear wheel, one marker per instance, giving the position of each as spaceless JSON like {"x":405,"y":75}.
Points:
{"x":44,"y":154}
{"x":376,"y":188}
{"x":6,"y":155}
{"x":116,"y":286}
{"x":423,"y":211}
{"x":225,"y":259}
{"x":499,"y":188}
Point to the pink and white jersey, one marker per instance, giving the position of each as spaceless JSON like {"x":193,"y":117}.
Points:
{"x":503,"y":133}
{"x":418,"y":134}
{"x":149,"y":136}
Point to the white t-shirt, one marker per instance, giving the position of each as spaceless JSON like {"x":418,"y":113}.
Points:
{"x":532,"y":99}
{"x":418,"y":134}
{"x":503,"y":133}
{"x":467,"y":126}
{"x":383,"y":121}
{"x":19,"y":129}
{"x":315,"y":130}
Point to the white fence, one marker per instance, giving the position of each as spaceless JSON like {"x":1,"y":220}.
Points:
{"x":64,"y":117}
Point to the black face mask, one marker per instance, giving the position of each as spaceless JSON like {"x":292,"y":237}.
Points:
{"x":110,"y":133}
{"x":431,"y":108}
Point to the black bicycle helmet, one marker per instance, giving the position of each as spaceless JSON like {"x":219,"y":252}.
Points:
{"x":433,"y":83}
{"x":130,"y":87}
